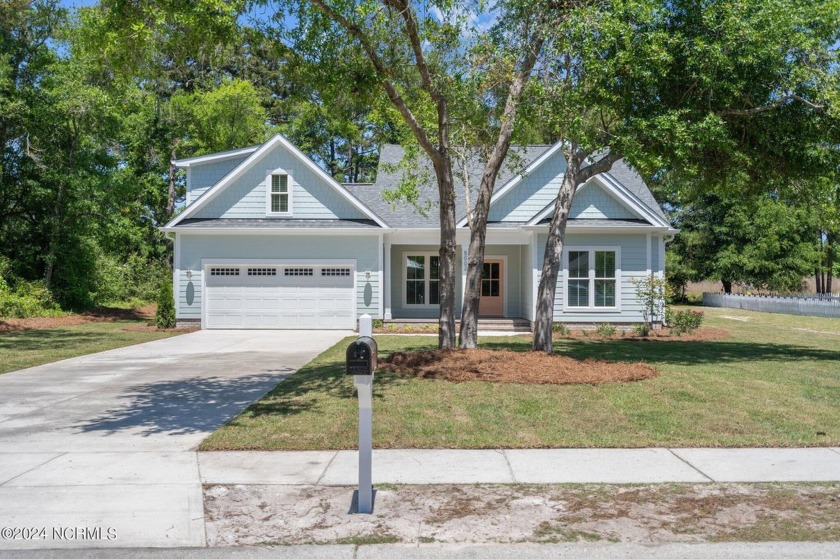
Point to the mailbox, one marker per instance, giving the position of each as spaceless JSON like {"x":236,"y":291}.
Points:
{"x":361,"y":356}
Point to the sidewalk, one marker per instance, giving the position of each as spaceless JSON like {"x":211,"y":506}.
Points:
{"x":421,"y":467}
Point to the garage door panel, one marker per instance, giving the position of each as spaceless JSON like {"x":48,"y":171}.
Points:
{"x":310,"y":296}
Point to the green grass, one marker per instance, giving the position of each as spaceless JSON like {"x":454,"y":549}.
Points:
{"x":769,"y":384}
{"x":28,"y":348}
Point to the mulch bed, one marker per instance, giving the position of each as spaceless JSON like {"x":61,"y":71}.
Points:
{"x":505,"y":366}
{"x":699,"y":335}
{"x":99,"y":315}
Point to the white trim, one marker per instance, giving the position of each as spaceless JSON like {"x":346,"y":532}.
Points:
{"x":629,"y":200}
{"x":176,"y":274}
{"x":250,"y":162}
{"x":386,"y":292}
{"x":426,"y":280}
{"x":213,"y":157}
{"x":536,"y":270}
{"x":649,"y":254}
{"x":591,"y":277}
{"x":381,"y":301}
{"x":519,"y":177}
{"x":270,"y":231}
{"x":504,"y":289}
{"x":661,"y":242}
{"x":269,"y":185}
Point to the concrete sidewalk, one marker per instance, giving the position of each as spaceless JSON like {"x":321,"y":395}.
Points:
{"x":646,"y":465}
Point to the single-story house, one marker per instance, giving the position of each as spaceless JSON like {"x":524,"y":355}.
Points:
{"x":269,"y":240}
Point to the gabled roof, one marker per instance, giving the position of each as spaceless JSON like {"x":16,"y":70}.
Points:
{"x":404,"y":215}
{"x":214,"y":157}
{"x":256,"y":156}
{"x":622,"y":181}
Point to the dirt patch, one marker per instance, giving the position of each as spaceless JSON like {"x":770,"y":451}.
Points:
{"x":98,"y":315}
{"x":487,"y":514}
{"x":506,"y":366}
{"x":665,"y":334}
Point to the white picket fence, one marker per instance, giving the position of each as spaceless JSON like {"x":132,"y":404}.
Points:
{"x":815,"y":305}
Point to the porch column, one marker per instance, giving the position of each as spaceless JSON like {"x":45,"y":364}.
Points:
{"x":464,"y":256}
{"x":386,"y":280}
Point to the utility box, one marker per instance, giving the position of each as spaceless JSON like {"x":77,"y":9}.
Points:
{"x":361,"y":356}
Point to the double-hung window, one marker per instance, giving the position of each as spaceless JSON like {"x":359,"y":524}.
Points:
{"x":592,"y":279}
{"x":422,"y":279}
{"x":279,"y":202}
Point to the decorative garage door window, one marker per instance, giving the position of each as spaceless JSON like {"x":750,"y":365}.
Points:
{"x":335,"y":271}
{"x":262,"y":271}
{"x":298,"y":272}
{"x":224,"y":271}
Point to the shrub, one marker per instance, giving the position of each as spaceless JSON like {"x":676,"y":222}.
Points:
{"x":684,"y":322}
{"x":560,"y":329}
{"x":377,"y":323}
{"x":606,"y":330}
{"x":642,"y":330}
{"x":27,"y":299}
{"x":165,"y":315}
{"x":650,"y":291}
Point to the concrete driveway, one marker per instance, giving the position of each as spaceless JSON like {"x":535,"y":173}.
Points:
{"x":99,"y":450}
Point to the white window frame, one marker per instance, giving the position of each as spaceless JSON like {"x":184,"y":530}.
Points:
{"x":591,"y":276}
{"x":289,"y":187}
{"x":426,"y":279}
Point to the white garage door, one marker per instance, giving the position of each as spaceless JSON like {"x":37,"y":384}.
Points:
{"x":281,"y":296}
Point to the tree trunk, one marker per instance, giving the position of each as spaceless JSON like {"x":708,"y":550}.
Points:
{"x":727,"y":286}
{"x":818,"y":278}
{"x":544,"y":318}
{"x":447,"y":252}
{"x":830,"y":264}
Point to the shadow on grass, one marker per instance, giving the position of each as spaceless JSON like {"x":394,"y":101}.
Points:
{"x":678,"y":352}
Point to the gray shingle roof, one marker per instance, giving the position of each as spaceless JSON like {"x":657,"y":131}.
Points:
{"x":278,"y":223}
{"x":406,"y":215}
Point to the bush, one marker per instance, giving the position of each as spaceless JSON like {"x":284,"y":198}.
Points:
{"x":134,"y":280}
{"x":377,"y":323}
{"x":642,"y":330}
{"x":650,"y":291}
{"x":165,"y":315}
{"x":606,"y":330}
{"x":560,"y":329}
{"x":27,"y":299}
{"x":683,"y":322}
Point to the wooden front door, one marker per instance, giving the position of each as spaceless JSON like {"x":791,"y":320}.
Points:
{"x":492,"y":302}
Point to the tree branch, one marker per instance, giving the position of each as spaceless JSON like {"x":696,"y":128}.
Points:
{"x":772,"y":106}
{"x":393,"y":95}
{"x":414,"y":38}
{"x":601,"y":166}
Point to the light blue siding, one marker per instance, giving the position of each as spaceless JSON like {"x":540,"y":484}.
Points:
{"x":194,"y":248}
{"x":532,"y":194}
{"x":633,"y":264}
{"x":202,"y":177}
{"x":312,"y":197}
{"x":593,"y":202}
{"x":654,"y":255}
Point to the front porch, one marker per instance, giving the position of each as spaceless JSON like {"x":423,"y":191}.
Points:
{"x":412,"y":279}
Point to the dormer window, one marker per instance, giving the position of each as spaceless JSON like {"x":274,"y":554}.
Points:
{"x":279,"y":194}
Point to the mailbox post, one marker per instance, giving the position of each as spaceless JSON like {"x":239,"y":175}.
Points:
{"x":361,"y":363}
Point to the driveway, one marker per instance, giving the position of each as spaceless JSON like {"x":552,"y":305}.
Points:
{"x":99,"y":450}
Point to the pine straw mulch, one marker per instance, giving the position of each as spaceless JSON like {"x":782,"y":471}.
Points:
{"x":98,"y":315}
{"x":506,"y":366}
{"x":663,"y":335}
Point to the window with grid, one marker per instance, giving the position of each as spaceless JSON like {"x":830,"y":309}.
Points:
{"x":262,"y":271}
{"x":490,"y":279}
{"x":605,"y":278}
{"x":224,"y":271}
{"x":335,"y":271}
{"x":279,"y":193}
{"x":592,"y":279}
{"x":297,"y":272}
{"x":422,"y":279}
{"x":578,"y":291}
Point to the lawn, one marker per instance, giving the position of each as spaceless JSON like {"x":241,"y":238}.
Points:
{"x":26,"y":348}
{"x":774,"y":382}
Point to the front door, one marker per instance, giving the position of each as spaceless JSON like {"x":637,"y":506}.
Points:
{"x":492,"y":302}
